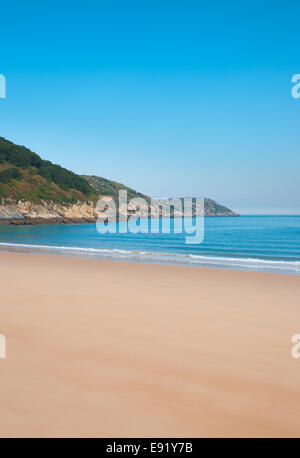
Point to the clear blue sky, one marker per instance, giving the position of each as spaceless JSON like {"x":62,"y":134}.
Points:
{"x":173,"y":98}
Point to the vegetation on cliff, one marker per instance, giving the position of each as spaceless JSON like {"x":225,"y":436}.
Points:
{"x":111,"y":188}
{"x":26,"y":177}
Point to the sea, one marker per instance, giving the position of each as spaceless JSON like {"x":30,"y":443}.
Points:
{"x":257,"y":243}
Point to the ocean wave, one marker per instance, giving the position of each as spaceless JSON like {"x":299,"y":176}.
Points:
{"x":233,"y":262}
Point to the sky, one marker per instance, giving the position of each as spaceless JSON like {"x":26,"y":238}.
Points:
{"x":171,"y":98}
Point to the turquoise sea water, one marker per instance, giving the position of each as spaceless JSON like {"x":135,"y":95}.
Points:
{"x":269,"y":243}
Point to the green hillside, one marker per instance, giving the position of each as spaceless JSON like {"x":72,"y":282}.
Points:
{"x":111,"y":188}
{"x":24,"y":175}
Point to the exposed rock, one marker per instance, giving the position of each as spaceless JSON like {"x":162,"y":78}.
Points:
{"x":48,"y":212}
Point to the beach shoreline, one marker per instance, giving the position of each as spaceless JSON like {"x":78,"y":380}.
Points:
{"x":113,"y":349}
{"x":287,"y":267}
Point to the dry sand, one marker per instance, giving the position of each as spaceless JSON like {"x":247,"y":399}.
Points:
{"x":112,"y":349}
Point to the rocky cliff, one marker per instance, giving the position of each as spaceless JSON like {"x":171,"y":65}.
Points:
{"x":49,"y":212}
{"x":46,"y":213}
{"x":36,"y":191}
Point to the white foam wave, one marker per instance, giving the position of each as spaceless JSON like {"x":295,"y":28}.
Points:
{"x":193,"y":259}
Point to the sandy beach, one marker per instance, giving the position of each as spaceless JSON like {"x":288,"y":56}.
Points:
{"x":115,"y":349}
